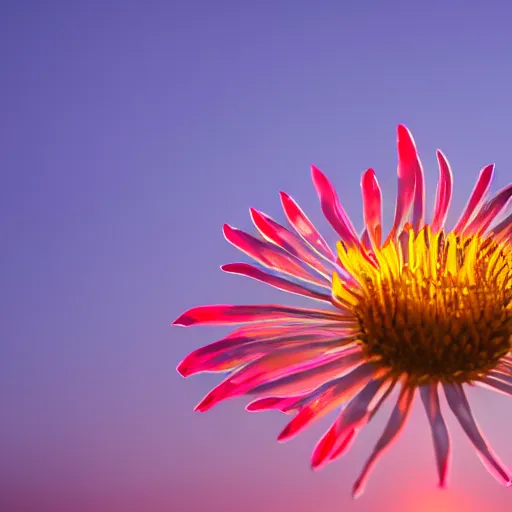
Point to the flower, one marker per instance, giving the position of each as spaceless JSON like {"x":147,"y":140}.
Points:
{"x":422,"y":309}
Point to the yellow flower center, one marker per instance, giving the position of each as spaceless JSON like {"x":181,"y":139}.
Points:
{"x":435,"y":308}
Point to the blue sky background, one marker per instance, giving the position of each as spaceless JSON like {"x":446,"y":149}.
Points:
{"x":129,"y":133}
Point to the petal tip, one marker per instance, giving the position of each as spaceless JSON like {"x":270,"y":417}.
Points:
{"x":443,"y":480}
{"x":316,"y":173}
{"x":406,"y":143}
{"x":206,"y":403}
{"x":183,"y":320}
{"x":284,"y":435}
{"x":284,"y":197}
{"x":183,"y":369}
{"x":402,"y":130}
{"x":260,"y":404}
{"x":357,"y":490}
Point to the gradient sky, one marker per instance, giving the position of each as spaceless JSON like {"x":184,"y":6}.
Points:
{"x":129,"y":133}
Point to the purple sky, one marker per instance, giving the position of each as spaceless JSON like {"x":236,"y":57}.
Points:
{"x":129,"y":133}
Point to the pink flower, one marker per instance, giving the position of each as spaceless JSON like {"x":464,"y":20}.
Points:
{"x":420,"y":309}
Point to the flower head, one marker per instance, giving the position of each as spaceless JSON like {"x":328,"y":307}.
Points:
{"x":419,"y":309}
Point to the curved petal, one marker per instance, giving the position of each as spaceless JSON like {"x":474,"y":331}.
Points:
{"x":272,"y":257}
{"x":393,"y":428}
{"x":272,"y":403}
{"x":488,"y":212}
{"x":342,"y":445}
{"x":229,"y":353}
{"x":226,"y":314}
{"x":443,"y":193}
{"x":480,"y":190}
{"x":372,"y":206}
{"x":440,"y":435}
{"x":305,"y":228}
{"x":460,"y":407}
{"x":497,"y":384}
{"x":418,"y":212}
{"x":333,"y":444}
{"x":279,"y":235}
{"x":502,"y":371}
{"x":502,"y":229}
{"x":365,"y":240}
{"x":270,"y":328}
{"x":357,"y":413}
{"x":245,"y":269}
{"x":309,"y":378}
{"x":328,"y":397}
{"x":408,"y":170}
{"x":257,"y":333}
{"x":272,"y":366}
{"x":332,"y":208}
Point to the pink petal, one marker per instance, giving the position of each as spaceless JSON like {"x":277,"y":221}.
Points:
{"x":393,"y":428}
{"x":488,"y":212}
{"x":283,"y":238}
{"x":328,"y":397}
{"x":409,"y":168}
{"x":305,"y":228}
{"x":280,"y":403}
{"x":440,"y":434}
{"x":443,"y":193}
{"x":343,"y":445}
{"x":372,"y":207}
{"x":459,"y":405}
{"x":411,"y":158}
{"x":270,"y":328}
{"x":365,"y":240}
{"x":375,"y":408}
{"x":480,"y":190}
{"x":354,"y":416}
{"x":245,"y":269}
{"x":502,"y":227}
{"x":311,"y":377}
{"x":323,"y":453}
{"x":497,"y":384}
{"x":264,"y":331}
{"x":271,"y":256}
{"x":280,"y":363}
{"x":332,"y":208}
{"x":503,"y":372}
{"x":228,"y":353}
{"x":226,"y":314}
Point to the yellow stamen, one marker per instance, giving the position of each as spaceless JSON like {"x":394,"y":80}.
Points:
{"x":430,"y":307}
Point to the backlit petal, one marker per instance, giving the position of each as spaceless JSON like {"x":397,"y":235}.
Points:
{"x":332,"y":208}
{"x":443,"y":193}
{"x":393,"y":428}
{"x":440,"y":435}
{"x":476,"y":198}
{"x":460,"y":407}
{"x":304,"y":227}
{"x":225,"y":314}
{"x":245,"y":269}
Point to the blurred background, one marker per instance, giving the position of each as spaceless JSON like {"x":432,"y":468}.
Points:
{"x":129,"y":133}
